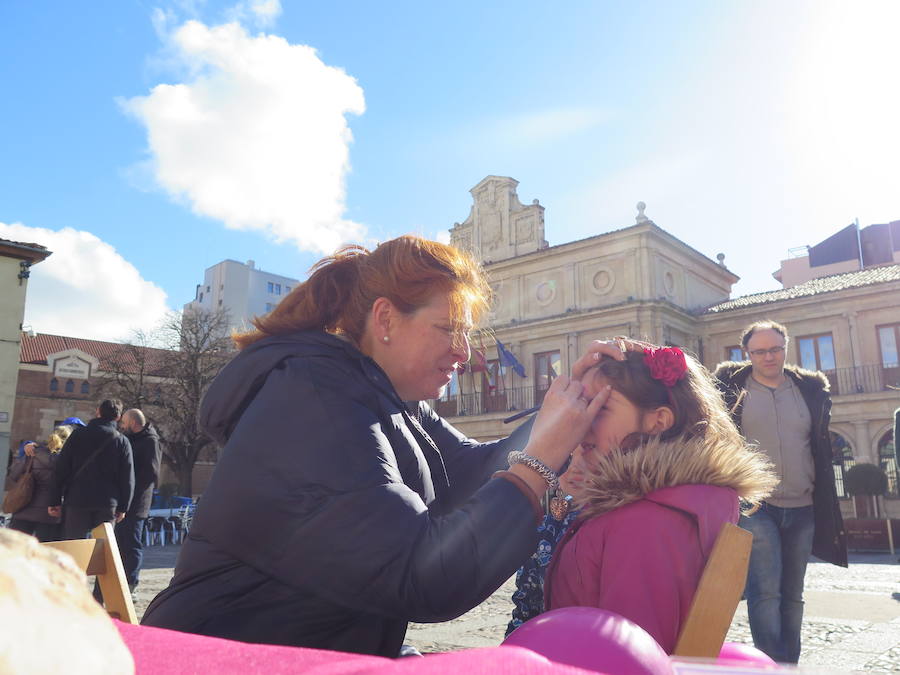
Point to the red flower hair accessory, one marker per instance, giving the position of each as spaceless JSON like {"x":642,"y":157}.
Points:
{"x":666,"y":364}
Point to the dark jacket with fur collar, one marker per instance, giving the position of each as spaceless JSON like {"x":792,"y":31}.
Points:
{"x":830,"y":541}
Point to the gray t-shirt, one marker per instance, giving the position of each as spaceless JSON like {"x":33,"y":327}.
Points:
{"x":778,"y":421}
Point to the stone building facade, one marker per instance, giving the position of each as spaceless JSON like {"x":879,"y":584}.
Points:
{"x":551,"y":301}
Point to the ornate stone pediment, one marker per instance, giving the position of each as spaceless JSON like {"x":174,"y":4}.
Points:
{"x":499,"y":226}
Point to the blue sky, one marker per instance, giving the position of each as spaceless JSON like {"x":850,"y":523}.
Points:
{"x":143,"y":142}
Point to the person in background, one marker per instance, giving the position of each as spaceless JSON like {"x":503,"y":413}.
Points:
{"x":94,"y":474}
{"x":34,"y":519}
{"x":146,"y":456}
{"x":785,"y":410}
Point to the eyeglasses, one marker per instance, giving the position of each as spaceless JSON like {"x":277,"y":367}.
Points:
{"x":774,"y":351}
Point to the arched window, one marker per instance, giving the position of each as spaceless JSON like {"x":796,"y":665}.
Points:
{"x":54,"y":384}
{"x":85,"y":387}
{"x":842,"y":459}
{"x":70,"y":386}
{"x":888,"y":461}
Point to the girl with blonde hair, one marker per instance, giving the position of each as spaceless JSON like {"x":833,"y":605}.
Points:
{"x":33,"y":518}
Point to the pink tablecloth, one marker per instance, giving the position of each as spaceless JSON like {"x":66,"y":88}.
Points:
{"x":157,"y":651}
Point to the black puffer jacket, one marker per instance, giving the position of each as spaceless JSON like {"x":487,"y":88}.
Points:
{"x":335,"y":514}
{"x":829,"y":540}
{"x":145,"y":450}
{"x":106,"y":479}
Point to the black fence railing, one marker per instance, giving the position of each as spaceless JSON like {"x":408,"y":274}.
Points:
{"x":863,"y":379}
{"x":484,"y":402}
{"x":854,"y":380}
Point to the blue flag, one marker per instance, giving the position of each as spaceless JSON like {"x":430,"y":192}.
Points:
{"x":507,"y":359}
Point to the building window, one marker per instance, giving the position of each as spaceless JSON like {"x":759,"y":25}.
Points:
{"x":888,"y":461}
{"x":547,"y":367}
{"x":494,"y":376}
{"x":270,"y":287}
{"x":85,"y":387}
{"x":842,"y":461}
{"x":889,"y":346}
{"x":734,"y":353}
{"x":70,"y":386}
{"x":816,"y":352}
{"x":207,"y":289}
{"x":452,"y":388}
{"x":287,"y":289}
{"x":201,"y":297}
{"x":54,"y":384}
{"x":220,"y":302}
{"x":277,"y":289}
{"x":888,"y":343}
{"x":269,"y":307}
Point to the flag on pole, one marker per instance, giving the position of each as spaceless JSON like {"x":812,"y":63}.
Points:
{"x":507,"y":359}
{"x":477,"y":362}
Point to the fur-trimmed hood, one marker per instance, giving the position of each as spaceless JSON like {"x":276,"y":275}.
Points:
{"x":736,"y":373}
{"x":621,"y":478}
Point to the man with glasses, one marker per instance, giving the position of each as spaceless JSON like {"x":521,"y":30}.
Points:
{"x":784,"y":410}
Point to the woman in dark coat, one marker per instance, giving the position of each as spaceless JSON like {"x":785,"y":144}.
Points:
{"x":342,"y":506}
{"x":33,"y":518}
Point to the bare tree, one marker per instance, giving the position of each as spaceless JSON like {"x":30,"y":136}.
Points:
{"x":198,"y":349}
{"x":168,"y":384}
{"x":133,"y":373}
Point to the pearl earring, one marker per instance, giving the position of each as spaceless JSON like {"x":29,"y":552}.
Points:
{"x":386,"y":339}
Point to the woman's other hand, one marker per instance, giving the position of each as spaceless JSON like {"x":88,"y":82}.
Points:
{"x":29,"y":449}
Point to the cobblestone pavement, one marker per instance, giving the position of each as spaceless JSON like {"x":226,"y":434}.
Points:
{"x":852,"y":622}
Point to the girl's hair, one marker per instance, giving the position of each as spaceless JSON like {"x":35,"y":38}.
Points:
{"x":695,"y":402}
{"x":58,"y":437}
{"x":341,"y":289}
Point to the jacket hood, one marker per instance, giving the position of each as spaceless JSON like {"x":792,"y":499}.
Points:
{"x":621,"y":478}
{"x":738,"y":372}
{"x":238,"y":382}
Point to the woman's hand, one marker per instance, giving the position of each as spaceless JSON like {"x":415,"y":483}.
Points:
{"x":563,"y":420}
{"x":29,"y":449}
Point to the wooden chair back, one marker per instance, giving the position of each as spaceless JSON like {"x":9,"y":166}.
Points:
{"x":99,"y":556}
{"x":717,"y":596}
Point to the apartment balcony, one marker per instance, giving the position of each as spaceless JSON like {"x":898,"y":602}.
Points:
{"x":484,"y":402}
{"x":869,"y":379}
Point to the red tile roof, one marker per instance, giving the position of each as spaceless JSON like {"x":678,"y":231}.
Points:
{"x":835,"y":282}
{"x":35,"y":349}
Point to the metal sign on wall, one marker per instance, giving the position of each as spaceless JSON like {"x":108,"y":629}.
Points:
{"x":72,"y":367}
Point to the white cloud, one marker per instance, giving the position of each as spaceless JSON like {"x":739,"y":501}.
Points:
{"x":85,"y":288}
{"x":264,"y":13}
{"x":256,"y":135}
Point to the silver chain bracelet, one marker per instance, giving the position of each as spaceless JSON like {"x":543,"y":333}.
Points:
{"x":548,"y":474}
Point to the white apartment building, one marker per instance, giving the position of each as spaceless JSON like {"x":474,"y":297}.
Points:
{"x":242,"y":290}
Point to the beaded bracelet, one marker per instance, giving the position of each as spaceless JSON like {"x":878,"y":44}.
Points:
{"x":548,"y":474}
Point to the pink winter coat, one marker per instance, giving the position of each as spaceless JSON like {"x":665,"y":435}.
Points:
{"x":649,"y":521}
{"x":643,"y":560}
